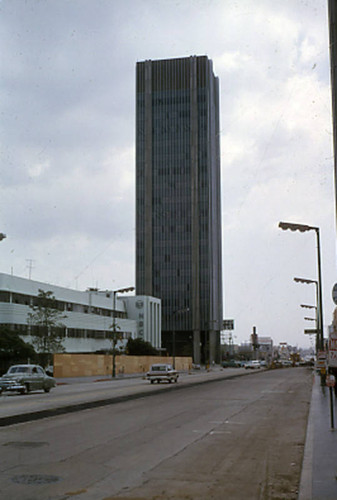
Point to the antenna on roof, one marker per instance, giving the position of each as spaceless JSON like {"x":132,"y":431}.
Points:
{"x":30,"y":267}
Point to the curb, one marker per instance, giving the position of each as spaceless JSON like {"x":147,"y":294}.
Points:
{"x":305,"y":488}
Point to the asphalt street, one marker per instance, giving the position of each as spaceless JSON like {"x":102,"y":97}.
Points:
{"x":234,"y":438}
{"x":78,"y":393}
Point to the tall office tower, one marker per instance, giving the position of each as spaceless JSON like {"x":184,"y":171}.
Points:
{"x":178,"y":205}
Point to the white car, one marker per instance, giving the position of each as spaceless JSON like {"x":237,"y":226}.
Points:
{"x":162,"y":372}
{"x":253,"y":365}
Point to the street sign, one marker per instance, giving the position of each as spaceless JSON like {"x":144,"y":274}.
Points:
{"x":333,"y":349}
{"x":228,"y":324}
{"x":334,"y":293}
{"x":310,"y":332}
{"x":321,"y":359}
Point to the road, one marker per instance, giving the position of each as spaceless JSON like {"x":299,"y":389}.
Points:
{"x":230,"y":439}
{"x":75,"y":392}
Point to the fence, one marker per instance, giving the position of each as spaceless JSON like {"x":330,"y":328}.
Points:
{"x":86,"y":365}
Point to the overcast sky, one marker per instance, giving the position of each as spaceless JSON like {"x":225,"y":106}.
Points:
{"x":67,"y":199}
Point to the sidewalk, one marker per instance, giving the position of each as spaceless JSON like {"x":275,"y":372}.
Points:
{"x":319,"y":469}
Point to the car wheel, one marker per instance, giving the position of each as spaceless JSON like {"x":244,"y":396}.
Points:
{"x":151,"y":381}
{"x":46,"y":389}
{"x":170,"y":380}
{"x":25,"y":390}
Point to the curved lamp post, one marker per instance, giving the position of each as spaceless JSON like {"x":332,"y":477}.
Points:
{"x":319,"y":335}
{"x":304,"y":228}
{"x":2,"y":236}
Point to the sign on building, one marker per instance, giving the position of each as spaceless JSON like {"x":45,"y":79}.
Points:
{"x":228,"y":324}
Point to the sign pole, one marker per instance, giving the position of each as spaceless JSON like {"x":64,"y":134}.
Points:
{"x":330,"y":382}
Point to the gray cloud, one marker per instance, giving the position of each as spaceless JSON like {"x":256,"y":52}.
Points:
{"x":67,"y":142}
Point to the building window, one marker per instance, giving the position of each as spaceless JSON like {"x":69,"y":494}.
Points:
{"x":4,"y":296}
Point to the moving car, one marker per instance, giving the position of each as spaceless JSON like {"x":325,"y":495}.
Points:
{"x":162,"y":372}
{"x":26,"y":378}
{"x":253,"y":365}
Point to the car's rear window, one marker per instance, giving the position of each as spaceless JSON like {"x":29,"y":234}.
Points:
{"x":19,"y":369}
{"x":157,"y":368}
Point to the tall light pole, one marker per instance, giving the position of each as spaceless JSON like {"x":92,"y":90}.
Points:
{"x":114,"y":325}
{"x":304,"y":228}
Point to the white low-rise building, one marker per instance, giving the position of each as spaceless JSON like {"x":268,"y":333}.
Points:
{"x":88,"y":316}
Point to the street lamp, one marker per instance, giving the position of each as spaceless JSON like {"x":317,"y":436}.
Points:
{"x":114,"y":325}
{"x":306,"y":306}
{"x":304,"y":228}
{"x":315,"y":282}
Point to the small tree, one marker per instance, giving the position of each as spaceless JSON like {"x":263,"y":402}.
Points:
{"x":139,"y":347}
{"x":13,"y":349}
{"x":46,"y":325}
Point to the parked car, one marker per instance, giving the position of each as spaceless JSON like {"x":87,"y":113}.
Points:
{"x":162,"y":372}
{"x":253,"y":365}
{"x":26,"y":378}
{"x":286,"y":362}
{"x":229,"y":364}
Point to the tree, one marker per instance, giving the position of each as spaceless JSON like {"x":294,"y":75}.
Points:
{"x":13,"y":349}
{"x":139,"y":347}
{"x":46,"y":325}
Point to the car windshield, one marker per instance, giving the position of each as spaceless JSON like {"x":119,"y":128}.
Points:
{"x":19,"y":369}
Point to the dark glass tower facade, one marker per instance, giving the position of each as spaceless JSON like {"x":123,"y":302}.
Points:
{"x":178,"y":204}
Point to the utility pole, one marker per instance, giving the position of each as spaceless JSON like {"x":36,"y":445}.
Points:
{"x":115,"y":326}
{"x":255,"y":342}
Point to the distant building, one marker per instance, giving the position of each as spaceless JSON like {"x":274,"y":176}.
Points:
{"x":178,"y":201}
{"x":283,"y":350}
{"x":245,"y":350}
{"x":88,"y":314}
{"x":265,"y":348}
